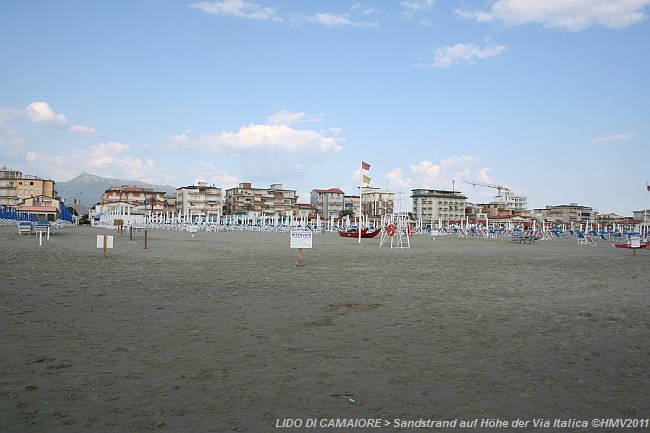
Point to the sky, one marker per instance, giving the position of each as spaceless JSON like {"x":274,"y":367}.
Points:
{"x":549,"y":98}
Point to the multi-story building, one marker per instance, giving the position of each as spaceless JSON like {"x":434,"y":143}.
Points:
{"x":306,"y":211}
{"x":146,"y":199}
{"x":496,"y":210}
{"x":16,"y":188}
{"x":8,"y":185}
{"x":351,"y":204}
{"x":641,"y":215}
{"x":376,"y":202}
{"x":42,"y":207}
{"x":32,"y":186}
{"x":517,"y":203}
{"x":432,"y":204}
{"x":199,"y":199}
{"x":327,"y":202}
{"x":567,"y":213}
{"x":263,"y":201}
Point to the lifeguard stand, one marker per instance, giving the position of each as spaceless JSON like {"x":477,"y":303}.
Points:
{"x":399,"y":233}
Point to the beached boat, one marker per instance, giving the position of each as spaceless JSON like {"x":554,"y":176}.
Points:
{"x":352,"y":233}
{"x":629,"y":245}
{"x":365,"y":233}
{"x":370,"y":234}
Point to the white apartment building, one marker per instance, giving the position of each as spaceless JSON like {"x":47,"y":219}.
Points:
{"x":327,"y":202}
{"x":275,"y":200}
{"x":145,"y":198}
{"x":200,"y":199}
{"x":16,"y":188}
{"x":376,"y":202}
{"x":433,"y":205}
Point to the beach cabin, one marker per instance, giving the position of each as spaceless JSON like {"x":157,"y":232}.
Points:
{"x":42,"y":208}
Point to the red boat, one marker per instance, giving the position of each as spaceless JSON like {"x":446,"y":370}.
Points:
{"x":370,"y":234}
{"x":354,"y":233}
{"x":642,"y":245}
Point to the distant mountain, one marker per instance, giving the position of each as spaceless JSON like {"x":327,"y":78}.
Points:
{"x":88,"y":188}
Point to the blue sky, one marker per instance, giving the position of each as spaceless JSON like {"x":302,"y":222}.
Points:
{"x":550,"y":98}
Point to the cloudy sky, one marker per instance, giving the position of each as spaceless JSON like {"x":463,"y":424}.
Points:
{"x":550,"y":98}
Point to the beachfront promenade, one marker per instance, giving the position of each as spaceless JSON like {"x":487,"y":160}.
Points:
{"x":219,"y":331}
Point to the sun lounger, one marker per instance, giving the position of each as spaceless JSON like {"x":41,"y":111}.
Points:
{"x":523,"y":239}
{"x":584,"y":239}
{"x":41,"y":227}
{"x":25,"y":228}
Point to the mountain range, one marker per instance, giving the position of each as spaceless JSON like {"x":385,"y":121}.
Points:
{"x":88,"y":188}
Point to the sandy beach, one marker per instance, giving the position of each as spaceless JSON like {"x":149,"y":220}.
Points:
{"x":221,"y":332}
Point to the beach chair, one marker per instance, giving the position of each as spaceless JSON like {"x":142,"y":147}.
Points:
{"x":25,"y":228}
{"x":42,"y":227}
{"x":585,"y":239}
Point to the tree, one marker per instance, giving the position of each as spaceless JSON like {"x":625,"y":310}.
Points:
{"x":346,"y":212}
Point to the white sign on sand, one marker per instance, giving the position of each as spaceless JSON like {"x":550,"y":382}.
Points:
{"x":635,"y":242}
{"x":301,"y":239}
{"x":100,"y":241}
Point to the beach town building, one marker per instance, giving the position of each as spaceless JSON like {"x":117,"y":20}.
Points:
{"x":351,"y":204}
{"x":32,"y":186}
{"x":517,"y":203}
{"x":328,"y":202}
{"x":641,"y":215}
{"x":200,"y":199}
{"x":132,"y":202}
{"x":567,"y":213}
{"x":433,"y":205}
{"x":376,"y":202}
{"x":8,"y":185}
{"x":146,"y":199}
{"x":42,"y":207}
{"x":16,"y":187}
{"x":274,"y":200}
{"x":305,"y":211}
{"x":497,"y":210}
{"x":609,"y":219}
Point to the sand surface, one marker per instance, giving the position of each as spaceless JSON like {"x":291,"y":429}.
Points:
{"x":221,"y":332}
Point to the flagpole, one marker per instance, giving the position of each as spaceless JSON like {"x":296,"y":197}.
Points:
{"x":360,"y":186}
{"x":645,"y":208}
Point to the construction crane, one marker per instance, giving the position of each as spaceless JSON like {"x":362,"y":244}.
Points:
{"x":499,"y":188}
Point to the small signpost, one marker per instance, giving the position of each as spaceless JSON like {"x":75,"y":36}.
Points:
{"x":104,"y":241}
{"x":635,"y":243}
{"x":301,"y":239}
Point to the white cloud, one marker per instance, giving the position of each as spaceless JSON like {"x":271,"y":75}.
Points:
{"x":412,"y":8}
{"x":83,"y":130}
{"x":463,"y":53}
{"x":261,"y":137}
{"x":427,"y":174}
{"x":237,"y":8}
{"x":207,"y":172}
{"x":11,"y":144}
{"x":613,"y":138}
{"x":103,"y":159}
{"x":397,"y":180}
{"x":331,"y":20}
{"x":572,"y":15}
{"x":285,"y":117}
{"x":483,"y":175}
{"x":41,"y":112}
{"x":258,"y":147}
{"x":8,"y":114}
{"x":417,"y":5}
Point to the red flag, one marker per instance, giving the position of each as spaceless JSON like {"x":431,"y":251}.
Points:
{"x":366,"y":166}
{"x":648,"y":186}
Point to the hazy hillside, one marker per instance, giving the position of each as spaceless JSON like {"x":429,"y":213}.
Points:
{"x":89,"y":188}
